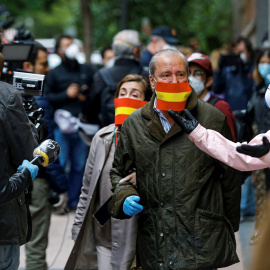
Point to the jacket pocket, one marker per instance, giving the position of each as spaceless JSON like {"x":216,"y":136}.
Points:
{"x":214,"y":240}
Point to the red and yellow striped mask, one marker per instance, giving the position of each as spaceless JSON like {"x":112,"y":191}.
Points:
{"x":172,"y":96}
{"x":124,"y":107}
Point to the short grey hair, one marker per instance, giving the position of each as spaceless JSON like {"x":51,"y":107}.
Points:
{"x":125,"y":41}
{"x":168,"y":52}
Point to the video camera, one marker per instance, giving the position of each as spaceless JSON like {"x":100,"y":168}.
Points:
{"x":28,"y":84}
{"x":15,"y":54}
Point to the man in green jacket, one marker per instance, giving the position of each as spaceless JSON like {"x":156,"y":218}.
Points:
{"x":188,"y":203}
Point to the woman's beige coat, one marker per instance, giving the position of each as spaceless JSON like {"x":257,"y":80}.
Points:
{"x":83,"y":254}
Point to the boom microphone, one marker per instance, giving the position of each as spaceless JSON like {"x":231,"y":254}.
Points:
{"x":46,"y":153}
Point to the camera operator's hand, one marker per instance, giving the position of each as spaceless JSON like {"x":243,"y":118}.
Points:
{"x":62,"y":203}
{"x":255,"y":150}
{"x":73,"y":90}
{"x":188,"y":124}
{"x":31,"y":167}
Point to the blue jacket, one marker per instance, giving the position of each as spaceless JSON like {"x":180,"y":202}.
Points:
{"x":235,"y":84}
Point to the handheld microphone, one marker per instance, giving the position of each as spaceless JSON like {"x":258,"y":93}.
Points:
{"x":46,"y":153}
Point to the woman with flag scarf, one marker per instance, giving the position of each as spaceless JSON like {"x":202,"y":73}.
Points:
{"x":112,"y":246}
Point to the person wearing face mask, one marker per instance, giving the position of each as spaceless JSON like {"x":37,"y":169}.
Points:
{"x":112,"y":246}
{"x":67,"y":87}
{"x":234,"y":79}
{"x":261,"y":76}
{"x":201,"y":79}
{"x":187,"y":206}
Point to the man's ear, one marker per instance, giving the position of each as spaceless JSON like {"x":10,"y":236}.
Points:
{"x":152,"y":82}
{"x":28,"y":66}
{"x":209,"y":81}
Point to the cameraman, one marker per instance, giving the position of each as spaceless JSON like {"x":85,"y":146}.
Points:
{"x":51,"y":177}
{"x":17,"y":143}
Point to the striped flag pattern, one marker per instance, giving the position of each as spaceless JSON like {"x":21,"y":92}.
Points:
{"x":172,"y":96}
{"x":124,"y":107}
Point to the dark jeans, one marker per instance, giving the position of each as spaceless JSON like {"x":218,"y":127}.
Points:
{"x":74,"y":153}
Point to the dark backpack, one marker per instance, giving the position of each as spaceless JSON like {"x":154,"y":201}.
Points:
{"x":107,"y":99}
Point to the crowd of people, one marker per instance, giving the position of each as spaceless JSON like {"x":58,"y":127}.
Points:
{"x":152,"y":140}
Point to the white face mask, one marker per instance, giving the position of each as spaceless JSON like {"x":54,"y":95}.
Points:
{"x":72,"y":51}
{"x":197,"y":84}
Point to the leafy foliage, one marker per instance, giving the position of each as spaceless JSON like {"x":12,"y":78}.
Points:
{"x":208,"y":20}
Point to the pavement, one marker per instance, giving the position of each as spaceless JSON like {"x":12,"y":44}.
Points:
{"x":60,"y":243}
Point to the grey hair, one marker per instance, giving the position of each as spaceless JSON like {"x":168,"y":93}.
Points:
{"x":129,"y":38}
{"x":168,"y":52}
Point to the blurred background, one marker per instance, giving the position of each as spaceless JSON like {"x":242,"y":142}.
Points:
{"x":209,"y":24}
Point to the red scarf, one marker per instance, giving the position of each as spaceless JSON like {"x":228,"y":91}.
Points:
{"x":124,"y":107}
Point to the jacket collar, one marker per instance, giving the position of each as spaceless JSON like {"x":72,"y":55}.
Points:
{"x":154,"y":124}
{"x":107,"y":132}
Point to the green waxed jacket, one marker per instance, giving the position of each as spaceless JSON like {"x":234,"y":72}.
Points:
{"x":191,"y":201}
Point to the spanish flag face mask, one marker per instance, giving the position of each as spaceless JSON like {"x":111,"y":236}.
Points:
{"x":124,"y":107}
{"x":172,"y":96}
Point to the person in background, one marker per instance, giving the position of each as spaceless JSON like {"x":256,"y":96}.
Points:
{"x":49,"y":178}
{"x":162,"y":38}
{"x":107,"y":54}
{"x":201,"y":79}
{"x":66,"y":87}
{"x":115,"y":242}
{"x":261,"y":75}
{"x":195,"y":44}
{"x":234,"y":78}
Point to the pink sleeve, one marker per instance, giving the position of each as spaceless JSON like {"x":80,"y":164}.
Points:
{"x":215,"y":145}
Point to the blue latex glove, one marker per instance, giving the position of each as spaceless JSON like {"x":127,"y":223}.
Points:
{"x":131,"y":207}
{"x":31,"y":167}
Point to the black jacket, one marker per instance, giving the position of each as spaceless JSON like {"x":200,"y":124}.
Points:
{"x":60,"y":78}
{"x":102,"y":106}
{"x":16,"y":144}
